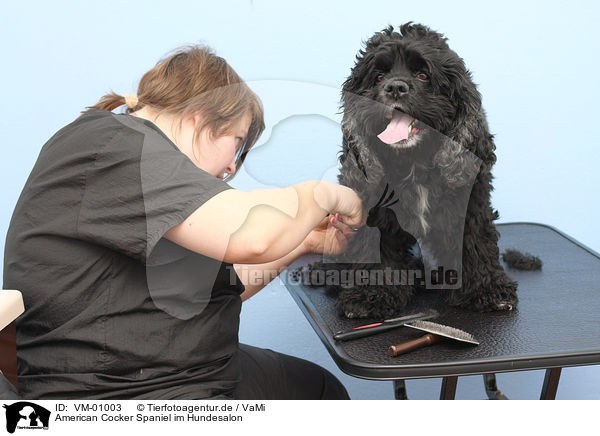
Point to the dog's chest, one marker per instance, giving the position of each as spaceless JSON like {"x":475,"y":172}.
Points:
{"x":422,"y":206}
{"x":414,"y":207}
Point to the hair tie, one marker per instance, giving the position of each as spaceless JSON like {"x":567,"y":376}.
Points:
{"x":131,"y":100}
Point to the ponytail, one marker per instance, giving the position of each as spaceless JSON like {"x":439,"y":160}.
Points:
{"x":110,"y":102}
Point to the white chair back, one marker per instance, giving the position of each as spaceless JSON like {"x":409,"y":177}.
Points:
{"x":11,"y":306}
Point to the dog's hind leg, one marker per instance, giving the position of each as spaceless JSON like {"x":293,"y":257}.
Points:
{"x":485,"y":284}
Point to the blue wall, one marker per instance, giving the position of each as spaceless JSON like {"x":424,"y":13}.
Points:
{"x":535,"y":64}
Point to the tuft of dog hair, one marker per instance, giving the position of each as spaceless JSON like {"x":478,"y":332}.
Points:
{"x":522,"y":261}
{"x":412,"y":75}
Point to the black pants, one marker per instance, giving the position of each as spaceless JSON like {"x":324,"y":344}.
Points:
{"x":268,"y":375}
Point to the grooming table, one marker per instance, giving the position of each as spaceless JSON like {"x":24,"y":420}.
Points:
{"x":556,"y":322}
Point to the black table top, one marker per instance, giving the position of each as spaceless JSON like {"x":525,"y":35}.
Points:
{"x":556,"y":322}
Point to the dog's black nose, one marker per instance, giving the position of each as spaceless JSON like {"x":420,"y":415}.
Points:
{"x":396,"y":88}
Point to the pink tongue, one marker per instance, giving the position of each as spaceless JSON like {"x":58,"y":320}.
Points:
{"x":397,"y":129}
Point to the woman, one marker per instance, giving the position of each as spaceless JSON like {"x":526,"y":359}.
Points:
{"x":126,"y":234}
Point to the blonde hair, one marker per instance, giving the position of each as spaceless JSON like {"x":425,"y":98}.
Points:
{"x":192,"y":80}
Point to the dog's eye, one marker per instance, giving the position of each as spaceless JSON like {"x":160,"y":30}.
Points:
{"x":379,"y":77}
{"x":423,"y":76}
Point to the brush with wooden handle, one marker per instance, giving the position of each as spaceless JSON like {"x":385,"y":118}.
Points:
{"x":435,"y":333}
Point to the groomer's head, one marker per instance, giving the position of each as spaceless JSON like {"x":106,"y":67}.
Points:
{"x":192,"y":83}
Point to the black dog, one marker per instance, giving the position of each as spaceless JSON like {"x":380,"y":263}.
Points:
{"x":415,"y":137}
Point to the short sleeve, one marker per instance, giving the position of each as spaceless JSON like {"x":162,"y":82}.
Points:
{"x":139,"y":186}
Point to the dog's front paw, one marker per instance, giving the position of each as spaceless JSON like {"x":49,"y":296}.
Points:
{"x":354,"y":311}
{"x":503,"y":295}
{"x":505,"y":305}
{"x":352,"y":303}
{"x":385,"y":220}
{"x":373,"y":302}
{"x":483,"y":303}
{"x":362,"y":309}
{"x":382,"y":215}
{"x":498,"y":298}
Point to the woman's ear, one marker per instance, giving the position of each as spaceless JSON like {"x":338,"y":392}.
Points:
{"x":197,"y":119}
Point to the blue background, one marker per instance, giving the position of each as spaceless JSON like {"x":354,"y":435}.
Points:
{"x":535,"y":64}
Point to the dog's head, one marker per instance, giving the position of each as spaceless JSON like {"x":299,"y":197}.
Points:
{"x":404,"y":82}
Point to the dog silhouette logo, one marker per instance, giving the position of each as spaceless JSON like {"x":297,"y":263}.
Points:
{"x":26,"y":415}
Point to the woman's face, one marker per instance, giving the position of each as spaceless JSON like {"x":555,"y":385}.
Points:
{"x":216,"y":156}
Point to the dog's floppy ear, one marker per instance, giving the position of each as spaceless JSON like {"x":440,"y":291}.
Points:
{"x":357,"y":74}
{"x":462,"y":88}
{"x":471,"y":129}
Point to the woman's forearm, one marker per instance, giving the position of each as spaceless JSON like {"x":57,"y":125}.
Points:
{"x":285,"y":217}
{"x":256,"y":277}
{"x":257,"y":226}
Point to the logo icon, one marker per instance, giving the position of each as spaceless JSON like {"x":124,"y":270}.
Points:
{"x":26,"y":415}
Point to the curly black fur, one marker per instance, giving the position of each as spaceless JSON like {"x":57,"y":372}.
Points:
{"x":523,"y":261}
{"x":415,"y":72}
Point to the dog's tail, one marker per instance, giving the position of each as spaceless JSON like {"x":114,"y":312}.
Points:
{"x":526,"y":262}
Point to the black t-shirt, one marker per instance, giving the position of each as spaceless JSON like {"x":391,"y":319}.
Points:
{"x":114,"y":310}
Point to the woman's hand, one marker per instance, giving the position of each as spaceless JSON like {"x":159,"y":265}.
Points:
{"x":330,"y":237}
{"x":349,"y":205}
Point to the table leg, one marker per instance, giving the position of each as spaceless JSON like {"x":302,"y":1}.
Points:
{"x":448,"y":388}
{"x":550,"y":384}
{"x":400,"y":390}
{"x":491,"y":388}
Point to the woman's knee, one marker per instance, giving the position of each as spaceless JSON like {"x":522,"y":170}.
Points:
{"x":333,"y":389}
{"x":268,"y":374}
